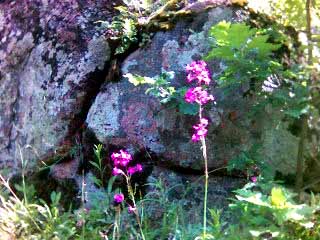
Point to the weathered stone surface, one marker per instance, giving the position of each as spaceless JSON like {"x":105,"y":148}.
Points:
{"x":50,"y":51}
{"x":187,"y":192}
{"x":124,"y":115}
{"x":280,"y":149}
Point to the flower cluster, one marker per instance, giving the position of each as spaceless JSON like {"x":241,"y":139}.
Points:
{"x":198,"y":71}
{"x":136,"y":168}
{"x":121,"y":160}
{"x":198,"y":95}
{"x":201,"y":130}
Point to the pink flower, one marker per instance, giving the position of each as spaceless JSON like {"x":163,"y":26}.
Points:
{"x":118,"y":198}
{"x":137,"y":168}
{"x":198,"y":95}
{"x":254,"y":179}
{"x":121,"y":158}
{"x":131,"y":170}
{"x":117,"y":171}
{"x":131,"y":209}
{"x":201,"y":130}
{"x":198,"y":71}
{"x":190,"y":96}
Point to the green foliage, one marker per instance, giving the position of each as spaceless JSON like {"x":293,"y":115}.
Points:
{"x":258,"y":209}
{"x":172,"y":220}
{"x":98,"y":165}
{"x":133,"y":16}
{"x":286,"y":12}
{"x":251,"y":163}
{"x":245,"y":51}
{"x":99,"y":219}
{"x":293,"y":13}
{"x":266,"y":209}
{"x":35,"y":220}
{"x":123,"y":29}
{"x":161,"y":88}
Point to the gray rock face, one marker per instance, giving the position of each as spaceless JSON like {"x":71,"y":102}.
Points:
{"x":49,"y":52}
{"x":124,"y":115}
{"x":187,"y":192}
{"x":50,"y":58}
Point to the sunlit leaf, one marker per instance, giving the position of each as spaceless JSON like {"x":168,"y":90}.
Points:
{"x":278,"y":198}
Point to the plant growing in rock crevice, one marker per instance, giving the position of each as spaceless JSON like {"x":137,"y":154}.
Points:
{"x":160,"y":87}
{"x":135,"y":17}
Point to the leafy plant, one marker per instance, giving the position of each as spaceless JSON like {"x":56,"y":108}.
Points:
{"x":247,"y":54}
{"x":98,"y":165}
{"x":266,"y":209}
{"x":161,"y":88}
{"x":251,"y":163}
{"x":133,"y":16}
{"x":171,"y":216}
{"x":303,"y":17}
{"x":33,"y":220}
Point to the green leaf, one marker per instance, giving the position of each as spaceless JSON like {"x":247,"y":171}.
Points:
{"x":97,"y":181}
{"x":232,"y":35}
{"x":138,"y":80}
{"x":224,"y":52}
{"x":278,"y":198}
{"x":110,"y":184}
{"x":256,"y":199}
{"x":263,"y":48}
{"x":96,"y":165}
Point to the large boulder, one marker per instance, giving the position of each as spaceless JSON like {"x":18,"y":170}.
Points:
{"x":187,"y":192}
{"x":124,"y":115}
{"x":53,"y":60}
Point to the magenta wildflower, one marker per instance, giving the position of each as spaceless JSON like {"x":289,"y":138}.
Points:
{"x":118,"y":198}
{"x":131,"y":170}
{"x":121,"y":158}
{"x":198,"y":71}
{"x":116,"y":171}
{"x":201,"y":130}
{"x":131,"y":209}
{"x":137,"y":168}
{"x":254,"y":179}
{"x":198,"y":95}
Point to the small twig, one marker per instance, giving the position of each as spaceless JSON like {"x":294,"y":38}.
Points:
{"x":311,"y":184}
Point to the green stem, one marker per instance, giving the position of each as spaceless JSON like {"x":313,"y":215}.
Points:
{"x":116,"y":234}
{"x":136,"y":212}
{"x":83,"y":230}
{"x":205,"y":157}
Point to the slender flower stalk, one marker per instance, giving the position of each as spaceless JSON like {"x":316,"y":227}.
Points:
{"x":206,"y":175}
{"x":121,"y":160}
{"x":197,"y":71}
{"x":116,"y":224}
